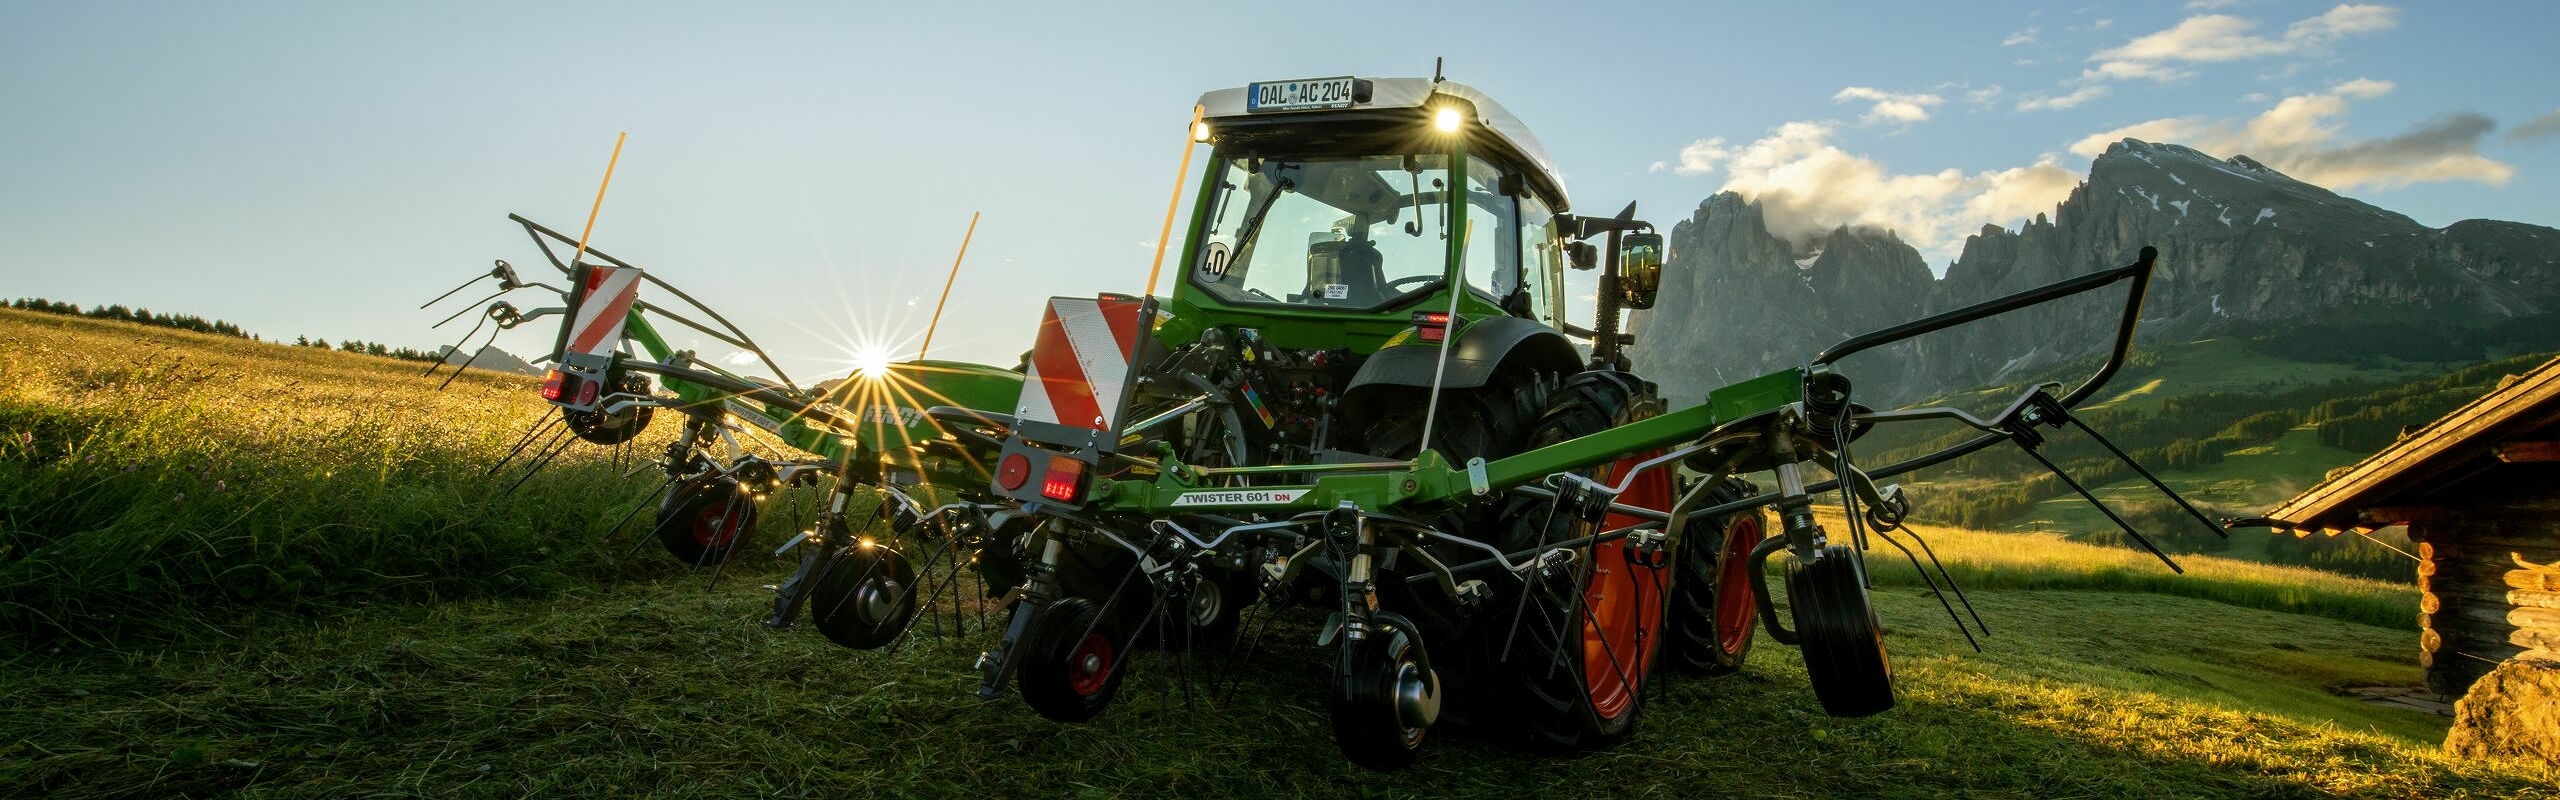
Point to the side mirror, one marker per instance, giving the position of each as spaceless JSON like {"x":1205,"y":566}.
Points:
{"x":1581,"y":255}
{"x":1639,"y":268}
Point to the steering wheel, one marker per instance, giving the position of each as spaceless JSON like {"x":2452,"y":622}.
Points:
{"x":1417,"y":280}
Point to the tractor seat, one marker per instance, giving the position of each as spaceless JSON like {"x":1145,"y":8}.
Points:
{"x":1353,"y":265}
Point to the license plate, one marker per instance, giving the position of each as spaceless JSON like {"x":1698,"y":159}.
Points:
{"x":1298,"y":95}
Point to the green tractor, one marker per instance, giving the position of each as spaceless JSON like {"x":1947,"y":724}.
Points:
{"x":1362,"y":395}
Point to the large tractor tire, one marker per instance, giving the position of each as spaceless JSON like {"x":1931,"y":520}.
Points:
{"x":1586,"y":639}
{"x":703,"y":520}
{"x":1713,"y":611}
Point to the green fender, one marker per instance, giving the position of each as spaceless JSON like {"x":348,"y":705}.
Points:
{"x":1484,"y":347}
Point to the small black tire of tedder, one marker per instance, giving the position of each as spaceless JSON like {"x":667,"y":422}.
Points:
{"x":597,"y":428}
{"x":702,"y":522}
{"x":1385,"y":695}
{"x":1713,"y":614}
{"x":867,"y":599}
{"x":1072,"y":661}
{"x":1842,"y":641}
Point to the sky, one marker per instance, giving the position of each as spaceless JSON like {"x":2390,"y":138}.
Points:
{"x":808,"y":170}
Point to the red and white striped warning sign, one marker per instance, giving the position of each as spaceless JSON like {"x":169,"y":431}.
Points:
{"x":1080,"y":362}
{"x":595,"y":328}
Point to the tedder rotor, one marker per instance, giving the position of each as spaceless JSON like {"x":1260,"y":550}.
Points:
{"x":1362,"y":396}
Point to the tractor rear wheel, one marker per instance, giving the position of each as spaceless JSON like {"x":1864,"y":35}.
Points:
{"x":1071,"y":662}
{"x":1587,"y":638}
{"x":1842,"y":641}
{"x":1712,"y":606}
{"x":702,"y":521}
{"x":867,"y":598}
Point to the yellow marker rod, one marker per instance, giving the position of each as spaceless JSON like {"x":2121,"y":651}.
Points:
{"x":1180,"y":176}
{"x":599,"y":206}
{"x":946,"y":287}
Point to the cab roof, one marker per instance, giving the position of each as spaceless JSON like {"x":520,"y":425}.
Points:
{"x":1416,"y":93}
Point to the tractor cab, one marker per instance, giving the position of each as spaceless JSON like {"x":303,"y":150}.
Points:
{"x":1338,"y":212}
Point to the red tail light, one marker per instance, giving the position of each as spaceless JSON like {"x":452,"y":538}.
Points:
{"x":551,"y":385}
{"x":1064,"y":481}
{"x":587,"y":392}
{"x":1432,"y":326}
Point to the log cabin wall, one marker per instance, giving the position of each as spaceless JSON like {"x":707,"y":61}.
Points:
{"x":2488,"y":581}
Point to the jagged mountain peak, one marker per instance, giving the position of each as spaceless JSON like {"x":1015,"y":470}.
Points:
{"x":2244,"y":248}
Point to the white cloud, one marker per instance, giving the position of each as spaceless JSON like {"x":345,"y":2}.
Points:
{"x":2082,"y":95}
{"x":2021,"y":192}
{"x":2213,"y":38}
{"x":1699,"y":157}
{"x":741,"y":358}
{"x":2536,"y":130}
{"x":1890,"y":106}
{"x":1807,"y":185}
{"x":1984,"y":96}
{"x":2301,"y":136}
{"x":2027,"y":36}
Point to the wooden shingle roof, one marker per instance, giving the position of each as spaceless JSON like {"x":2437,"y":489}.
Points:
{"x":2512,"y":424}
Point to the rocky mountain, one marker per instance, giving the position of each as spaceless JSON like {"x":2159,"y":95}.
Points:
{"x":2244,"y":250}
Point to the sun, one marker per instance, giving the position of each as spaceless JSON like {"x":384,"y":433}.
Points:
{"x":871,"y":363}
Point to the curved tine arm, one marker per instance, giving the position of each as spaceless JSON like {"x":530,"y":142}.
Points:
{"x":1139,"y":553}
{"x":2139,"y":270}
{"x":1448,"y":580}
{"x":1639,"y":512}
{"x":1629,"y":480}
{"x":1175,"y":528}
{"x":1231,"y":531}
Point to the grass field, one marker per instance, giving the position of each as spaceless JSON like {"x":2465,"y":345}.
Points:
{"x":235,"y":569}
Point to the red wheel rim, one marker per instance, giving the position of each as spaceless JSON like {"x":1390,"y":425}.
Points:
{"x":1734,"y":605}
{"x":1089,"y":667}
{"x":716,"y":525}
{"x":1623,"y":604}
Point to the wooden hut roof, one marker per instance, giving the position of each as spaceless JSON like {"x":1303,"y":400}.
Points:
{"x":2519,"y":422}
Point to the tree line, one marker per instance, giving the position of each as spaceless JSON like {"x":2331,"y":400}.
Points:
{"x":191,"y":322}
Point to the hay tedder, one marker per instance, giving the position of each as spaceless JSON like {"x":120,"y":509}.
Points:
{"x":1361,"y":396}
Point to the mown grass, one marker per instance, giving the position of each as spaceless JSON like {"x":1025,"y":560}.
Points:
{"x":353,"y":609}
{"x":158,"y":484}
{"x":659,"y":688}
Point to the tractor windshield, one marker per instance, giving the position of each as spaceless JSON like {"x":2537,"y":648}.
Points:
{"x":1349,"y":232}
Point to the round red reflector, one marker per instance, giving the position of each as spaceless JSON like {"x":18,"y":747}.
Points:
{"x":1013,"y":472}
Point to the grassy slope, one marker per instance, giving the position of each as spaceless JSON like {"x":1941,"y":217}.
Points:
{"x":2107,"y":677}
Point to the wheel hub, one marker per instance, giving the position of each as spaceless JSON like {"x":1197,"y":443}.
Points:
{"x":1206,"y":603}
{"x":878,"y":599}
{"x":1417,"y":695}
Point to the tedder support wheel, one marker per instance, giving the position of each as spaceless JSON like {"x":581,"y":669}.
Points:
{"x":1843,"y":643}
{"x":1586,"y":638}
{"x":1071,"y":665}
{"x":1712,"y":608}
{"x":701,"y":522}
{"x":1385,"y":695}
{"x":867,"y":598}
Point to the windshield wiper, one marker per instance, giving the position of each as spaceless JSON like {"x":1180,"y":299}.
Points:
{"x":1253,"y":223}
